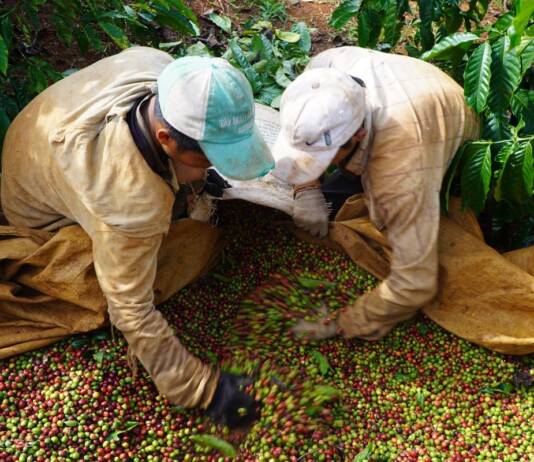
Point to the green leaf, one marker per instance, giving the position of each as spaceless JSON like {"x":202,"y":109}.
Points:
{"x":323,"y":393}
{"x":420,"y":398}
{"x":426,"y":9}
{"x":252,"y":76}
{"x":310,"y":283}
{"x":366,"y":454}
{"x":115,"y":33}
{"x":79,"y":342}
{"x":503,"y":388}
{"x":223,"y":22}
{"x":517,"y":179}
{"x":215,"y":443}
{"x":130,"y":425}
{"x":443,"y":48}
{"x":523,"y":108}
{"x":305,"y":41}
{"x":496,"y":127}
{"x":521,"y":20}
{"x":346,"y":10}
{"x":198,"y":49}
{"x":98,"y":356}
{"x":476,"y":176}
{"x":369,"y":27}
{"x":281,"y":78}
{"x":6,"y":30}
{"x":526,"y":54}
{"x":505,"y":75}
{"x":449,"y":177}
{"x":392,"y":25}
{"x":286,"y":36}
{"x":262,"y":45}
{"x":268,"y":94}
{"x":477,"y":77}
{"x":322,"y":361}
{"x":501,"y":157}
{"x":4,"y":56}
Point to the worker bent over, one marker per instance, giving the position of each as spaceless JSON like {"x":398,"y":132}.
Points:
{"x":395,"y":123}
{"x":110,"y":148}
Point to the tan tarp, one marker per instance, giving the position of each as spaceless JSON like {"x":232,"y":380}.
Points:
{"x":48,"y":286}
{"x":484,"y":297}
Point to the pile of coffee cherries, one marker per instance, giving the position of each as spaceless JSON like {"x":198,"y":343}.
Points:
{"x":418,"y":394}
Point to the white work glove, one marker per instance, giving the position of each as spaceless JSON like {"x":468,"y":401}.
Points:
{"x":324,"y":327}
{"x":310,"y":211}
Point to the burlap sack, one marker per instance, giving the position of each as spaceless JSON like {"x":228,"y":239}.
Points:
{"x":484,"y":297}
{"x":48,"y":286}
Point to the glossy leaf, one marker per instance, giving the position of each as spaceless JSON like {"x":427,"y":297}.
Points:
{"x":366,"y":454}
{"x":321,"y":361}
{"x":115,"y":33}
{"x":198,"y":49}
{"x":505,"y":75}
{"x":426,"y":8}
{"x":517,"y":178}
{"x":442,"y":49}
{"x":218,"y":444}
{"x":526,"y":54}
{"x":4,"y":55}
{"x":477,"y":77}
{"x":476,"y":176}
{"x":392,"y":25}
{"x":523,"y":16}
{"x":346,"y":10}
{"x":286,"y":36}
{"x":523,"y":108}
{"x":505,"y":151}
{"x":281,"y":78}
{"x":252,"y":76}
{"x":369,"y":27}
{"x":305,"y":41}
{"x":496,"y":127}
{"x":223,"y":22}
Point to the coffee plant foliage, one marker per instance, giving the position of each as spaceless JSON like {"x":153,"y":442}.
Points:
{"x":90,"y":25}
{"x":493,"y":62}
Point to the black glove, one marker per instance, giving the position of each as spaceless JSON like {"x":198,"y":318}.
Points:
{"x":215,"y":184}
{"x":230,"y":406}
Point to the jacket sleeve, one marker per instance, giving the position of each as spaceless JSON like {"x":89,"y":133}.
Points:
{"x":126,"y":270}
{"x":405,"y":197}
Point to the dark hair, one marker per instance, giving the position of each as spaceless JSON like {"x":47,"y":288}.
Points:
{"x":184,"y":141}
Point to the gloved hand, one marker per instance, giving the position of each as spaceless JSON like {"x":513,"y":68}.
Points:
{"x":310,"y":211}
{"x":325,"y":327}
{"x":230,"y":405}
{"x":369,"y":318}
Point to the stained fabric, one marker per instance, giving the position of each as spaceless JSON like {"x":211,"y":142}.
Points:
{"x":416,"y":120}
{"x":69,"y":158}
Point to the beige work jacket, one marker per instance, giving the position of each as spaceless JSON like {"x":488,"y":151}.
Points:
{"x":68,"y":158}
{"x":417,"y":119}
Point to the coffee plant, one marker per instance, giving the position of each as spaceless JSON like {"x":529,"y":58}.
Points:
{"x":269,"y":57}
{"x":497,"y":171}
{"x":494,"y":64}
{"x":91,"y":25}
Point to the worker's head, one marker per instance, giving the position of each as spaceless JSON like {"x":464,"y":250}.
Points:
{"x":321,"y":115}
{"x":206,"y":117}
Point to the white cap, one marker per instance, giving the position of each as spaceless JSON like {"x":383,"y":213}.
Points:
{"x":319,"y":112}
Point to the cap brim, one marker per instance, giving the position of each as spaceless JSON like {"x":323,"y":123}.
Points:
{"x":244,"y":160}
{"x":296,"y":166}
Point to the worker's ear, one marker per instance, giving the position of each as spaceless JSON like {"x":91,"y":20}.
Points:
{"x":164,"y":137}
